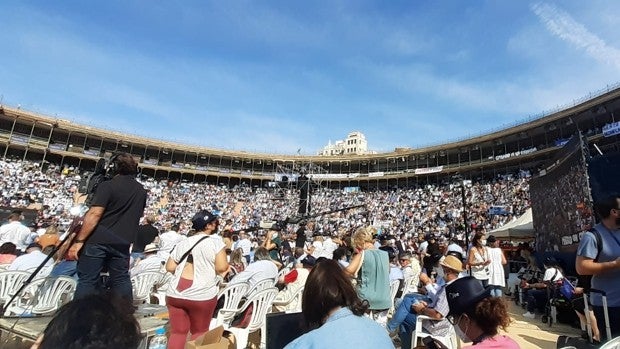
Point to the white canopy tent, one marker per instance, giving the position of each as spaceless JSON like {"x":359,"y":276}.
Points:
{"x":520,"y":228}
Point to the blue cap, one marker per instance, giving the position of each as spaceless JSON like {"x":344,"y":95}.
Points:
{"x":201,"y":219}
{"x":160,"y":330}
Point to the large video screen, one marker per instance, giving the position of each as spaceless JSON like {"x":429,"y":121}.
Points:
{"x":561,"y":202}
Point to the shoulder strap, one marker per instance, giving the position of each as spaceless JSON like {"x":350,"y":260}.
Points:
{"x":599,"y":242}
{"x":360,"y":266}
{"x":190,"y":250}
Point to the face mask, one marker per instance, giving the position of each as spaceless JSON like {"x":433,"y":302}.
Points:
{"x":483,"y":242}
{"x":462,"y":334}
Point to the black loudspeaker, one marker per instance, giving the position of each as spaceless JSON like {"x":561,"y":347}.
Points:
{"x":602,"y":172}
{"x":303,"y":184}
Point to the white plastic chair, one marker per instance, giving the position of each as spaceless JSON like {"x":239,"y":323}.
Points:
{"x":259,"y":286}
{"x":283,"y":272}
{"x":261,"y":302}
{"x":393,"y":291}
{"x":142,"y":285}
{"x":159,"y":289}
{"x":10,"y":282}
{"x":44,"y":296}
{"x":612,"y":344}
{"x":449,"y":340}
{"x":232,"y":299}
{"x":292,"y":300}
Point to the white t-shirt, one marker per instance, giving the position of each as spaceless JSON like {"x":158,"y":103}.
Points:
{"x":245,"y":245}
{"x":329,"y":246}
{"x":257,"y":271}
{"x":16,"y":233}
{"x":204,"y":285}
{"x":167,"y":241}
{"x":318,"y":249}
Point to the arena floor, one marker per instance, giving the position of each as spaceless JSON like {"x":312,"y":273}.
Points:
{"x":530,"y":334}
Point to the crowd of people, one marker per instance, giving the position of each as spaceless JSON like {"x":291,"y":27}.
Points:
{"x":411,"y":236}
{"x":430,"y":208}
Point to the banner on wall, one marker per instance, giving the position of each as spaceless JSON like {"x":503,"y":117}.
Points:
{"x":611,"y":129}
{"x":428,"y":170}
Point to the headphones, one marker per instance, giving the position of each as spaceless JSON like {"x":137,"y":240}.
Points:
{"x":113,"y":163}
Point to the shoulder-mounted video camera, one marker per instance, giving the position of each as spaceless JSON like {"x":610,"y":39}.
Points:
{"x":104,"y":170}
{"x":272,"y":225}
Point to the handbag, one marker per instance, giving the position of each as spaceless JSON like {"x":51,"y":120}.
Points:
{"x":567,"y":289}
{"x":354,"y":281}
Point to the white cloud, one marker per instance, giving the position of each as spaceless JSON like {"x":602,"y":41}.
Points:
{"x":565,"y":27}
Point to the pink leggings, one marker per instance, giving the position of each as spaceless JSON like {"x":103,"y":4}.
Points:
{"x":188,"y":316}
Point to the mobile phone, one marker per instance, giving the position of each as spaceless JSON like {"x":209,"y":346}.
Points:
{"x":432,"y":343}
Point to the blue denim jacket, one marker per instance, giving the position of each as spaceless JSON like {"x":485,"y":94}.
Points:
{"x":343,"y":329}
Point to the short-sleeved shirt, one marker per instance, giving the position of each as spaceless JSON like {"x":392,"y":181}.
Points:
{"x":439,"y":304}
{"x":29,"y":261}
{"x":245,"y":245}
{"x":204,"y":286}
{"x":124,"y":200}
{"x":16,"y":233}
{"x":609,"y":280}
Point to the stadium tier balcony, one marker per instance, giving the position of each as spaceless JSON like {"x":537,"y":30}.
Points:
{"x":525,"y":145}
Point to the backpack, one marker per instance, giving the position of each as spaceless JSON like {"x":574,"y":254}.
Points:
{"x":599,"y":242}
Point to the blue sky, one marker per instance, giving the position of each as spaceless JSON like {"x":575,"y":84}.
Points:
{"x":276,"y":76}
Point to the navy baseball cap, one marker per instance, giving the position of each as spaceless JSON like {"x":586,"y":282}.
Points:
{"x":201,"y":219}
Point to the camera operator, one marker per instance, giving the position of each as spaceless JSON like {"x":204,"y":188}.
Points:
{"x":110,"y":227}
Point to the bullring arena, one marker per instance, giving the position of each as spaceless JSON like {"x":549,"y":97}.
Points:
{"x":524,"y":146}
{"x":408,"y":192}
